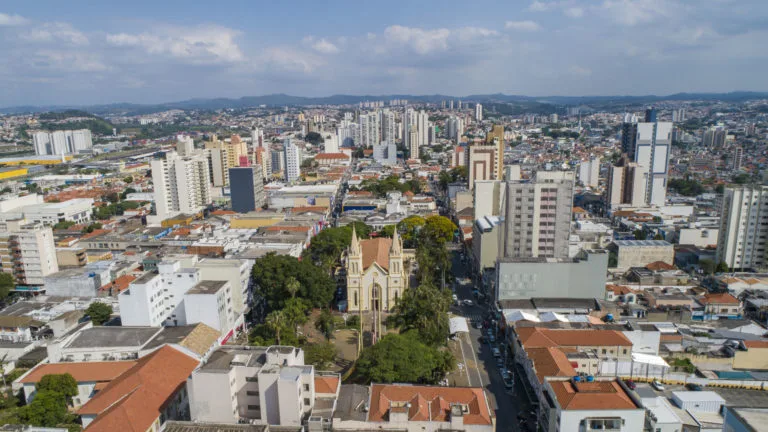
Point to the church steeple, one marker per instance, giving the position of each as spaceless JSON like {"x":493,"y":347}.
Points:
{"x":354,"y":246}
{"x":397,"y":246}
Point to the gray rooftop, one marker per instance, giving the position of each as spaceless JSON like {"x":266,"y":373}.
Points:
{"x":351,"y":403}
{"x":642,"y":243}
{"x":223,"y":358}
{"x":146,"y":277}
{"x":113,"y":337}
{"x":170,"y":335}
{"x":177,"y":426}
{"x":207,"y":287}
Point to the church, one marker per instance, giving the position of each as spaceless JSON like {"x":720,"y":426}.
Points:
{"x":376,"y":275}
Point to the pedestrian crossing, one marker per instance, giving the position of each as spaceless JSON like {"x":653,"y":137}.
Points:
{"x":473,"y":318}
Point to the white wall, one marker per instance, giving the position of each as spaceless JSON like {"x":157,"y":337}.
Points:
{"x":570,"y":420}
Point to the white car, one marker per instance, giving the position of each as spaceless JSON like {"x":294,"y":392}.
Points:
{"x":657,"y":385}
{"x":455,"y":297}
{"x":468,"y":303}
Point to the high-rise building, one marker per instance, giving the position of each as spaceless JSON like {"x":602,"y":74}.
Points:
{"x":459,"y":104}
{"x":459,"y":158}
{"x":537,"y":216}
{"x":422,"y":128}
{"x":496,"y":137}
{"x":741,"y":242}
{"x":625,"y":184}
{"x":292,"y":165}
{"x":370,"y":131}
{"x":264,"y":160}
{"x":450,"y":105}
{"x":714,"y":137}
{"x":553,"y":118}
{"x":589,"y":172}
{"x":738,"y":155}
{"x":409,"y":120}
{"x":649,"y":145}
{"x":247,"y":191}
{"x":650,"y":115}
{"x":181,"y":184}
{"x":482,"y":163}
{"x":413,"y":140}
{"x":478,"y":112}
{"x":224,"y":155}
{"x":276,"y":159}
{"x":185,"y":146}
{"x":455,"y":128}
{"x":331,"y":143}
{"x":27,"y":251}
{"x":385,"y":153}
{"x":257,"y":138}
{"x":388,"y":126}
{"x":62,"y":142}
{"x":678,"y":115}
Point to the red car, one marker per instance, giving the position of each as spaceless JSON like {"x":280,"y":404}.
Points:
{"x":631,"y":384}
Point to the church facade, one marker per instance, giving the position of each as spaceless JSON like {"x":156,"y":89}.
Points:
{"x":376,"y":275}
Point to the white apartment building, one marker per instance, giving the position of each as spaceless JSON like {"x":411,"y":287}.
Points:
{"x":422,"y":128}
{"x":63,"y":142}
{"x":77,"y":210}
{"x":388,"y":126}
{"x":537,"y":216}
{"x":235,"y":271}
{"x":369,"y":130}
{"x":455,"y":126}
{"x":626,"y":184}
{"x":210,"y":303}
{"x":589,"y":172}
{"x":478,"y":112}
{"x":331,"y":143}
{"x":185,"y":145}
{"x":28,"y":252}
{"x":156,"y":298}
{"x":654,"y":144}
{"x":181,"y":184}
{"x":253,"y":384}
{"x":292,"y":157}
{"x":743,"y":220}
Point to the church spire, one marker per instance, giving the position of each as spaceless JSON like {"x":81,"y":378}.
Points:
{"x":354,"y":246}
{"x":397,"y":246}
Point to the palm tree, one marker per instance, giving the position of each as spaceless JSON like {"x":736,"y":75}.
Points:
{"x":292,"y":286}
{"x":275,"y":321}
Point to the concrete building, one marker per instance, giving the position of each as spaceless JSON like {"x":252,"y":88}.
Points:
{"x":496,"y":137}
{"x":210,"y":303}
{"x":292,"y":164}
{"x":181,"y":184}
{"x":385,"y":153}
{"x":62,"y":142}
{"x":744,"y":419}
{"x":235,"y":271}
{"x":625,"y":185}
{"x":28,"y":252}
{"x":478,"y":112}
{"x":224,"y":155}
{"x":640,"y":253}
{"x":537,"y":216}
{"x":376,"y":274}
{"x":331,"y":143}
{"x":485,"y":242}
{"x":482,"y":163}
{"x":579,"y":277}
{"x":77,"y":282}
{"x":185,"y":145}
{"x":77,"y":210}
{"x":649,"y":145}
{"x":422,"y":128}
{"x":455,"y":128}
{"x":460,"y":156}
{"x":247,"y":190}
{"x":714,"y":137}
{"x":589,"y":172}
{"x":254,"y":384}
{"x":487,"y":197}
{"x":743,"y":227}
{"x":156,"y":298}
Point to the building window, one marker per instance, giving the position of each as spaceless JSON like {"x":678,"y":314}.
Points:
{"x":251,"y":379}
{"x":306,"y":401}
{"x":253,"y":407}
{"x":355,"y":298}
{"x":306,"y":387}
{"x":251,"y":393}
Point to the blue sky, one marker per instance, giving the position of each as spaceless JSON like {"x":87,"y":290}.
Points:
{"x":145,"y":52}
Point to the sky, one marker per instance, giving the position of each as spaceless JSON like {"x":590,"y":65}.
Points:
{"x":78,"y":52}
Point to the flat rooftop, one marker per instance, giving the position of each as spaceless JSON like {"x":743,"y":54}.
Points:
{"x":113,"y":337}
{"x":178,"y":426}
{"x":642,"y":243}
{"x":207,"y":287}
{"x":145,"y":278}
{"x":225,"y":357}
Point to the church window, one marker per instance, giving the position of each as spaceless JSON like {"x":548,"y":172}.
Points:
{"x":396,"y":296}
{"x":355,"y":298}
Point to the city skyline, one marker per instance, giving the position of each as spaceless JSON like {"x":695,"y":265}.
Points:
{"x":155,"y":53}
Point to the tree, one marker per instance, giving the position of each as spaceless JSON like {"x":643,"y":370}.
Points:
{"x":640,"y":234}
{"x":722,"y":267}
{"x":99,"y":312}
{"x":92,"y":227}
{"x":707,"y":266}
{"x":388,"y":231}
{"x":275,"y":322}
{"x":295,"y":314}
{"x":271,"y":272}
{"x":658,"y":236}
{"x":6,"y":284}
{"x":127,"y":191}
{"x":438,"y":229}
{"x":409,"y":228}
{"x":63,"y":384}
{"x":720,"y":188}
{"x":47,"y":409}
{"x":320,"y":355}
{"x":326,"y":247}
{"x":403,"y":358}
{"x":424,"y":309}
{"x":314,"y":138}
{"x":112,"y":197}
{"x":741,"y":178}
{"x":325,"y":323}
{"x":128,"y":180}
{"x":63,"y":225}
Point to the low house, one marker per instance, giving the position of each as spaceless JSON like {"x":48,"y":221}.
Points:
{"x":715,"y":306}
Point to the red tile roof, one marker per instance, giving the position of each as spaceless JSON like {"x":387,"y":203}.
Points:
{"x":332,"y":156}
{"x":326,"y":384}
{"x":537,"y":337}
{"x":134,"y":400}
{"x":756,"y":344}
{"x":659,"y":266}
{"x":120,"y":284}
{"x":597,"y":395}
{"x":719,"y":298}
{"x":376,"y":250}
{"x":429,"y":403}
{"x":550,"y":362}
{"x":81,"y":372}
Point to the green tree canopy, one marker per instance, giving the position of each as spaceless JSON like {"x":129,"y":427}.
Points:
{"x":271,"y":273}
{"x":6,"y":284}
{"x":424,"y":309}
{"x":325,"y":323}
{"x":63,"y":384}
{"x":722,"y":267}
{"x":321,"y":355}
{"x":438,"y":229}
{"x":686,"y":187}
{"x":99,"y":312}
{"x":327,"y":246}
{"x":409,"y":229}
{"x":403,"y":358}
{"x":47,"y":409}
{"x":63,"y":225}
{"x":707,"y":266}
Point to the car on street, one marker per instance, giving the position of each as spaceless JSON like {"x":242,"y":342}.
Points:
{"x":455,"y":297}
{"x":478,"y":325}
{"x":657,"y":385}
{"x":508,"y":383}
{"x":630,"y":384}
{"x":468,"y":302}
{"x":694,"y":387}
{"x":491,"y":338}
{"x":496,"y":352}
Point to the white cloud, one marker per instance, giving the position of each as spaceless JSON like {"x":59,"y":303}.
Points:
{"x":291,"y":60}
{"x":468,"y":33}
{"x":55,"y":32}
{"x":69,"y":61}
{"x":204,"y":44}
{"x":633,"y":12}
{"x":539,"y":6}
{"x":522,"y":25}
{"x":322,"y":45}
{"x":420,"y":40}
{"x":12,"y":20}
{"x":574,"y":12}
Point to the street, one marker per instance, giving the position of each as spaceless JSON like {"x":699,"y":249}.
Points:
{"x":481,"y":365}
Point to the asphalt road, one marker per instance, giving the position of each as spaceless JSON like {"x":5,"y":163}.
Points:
{"x":485,"y":373}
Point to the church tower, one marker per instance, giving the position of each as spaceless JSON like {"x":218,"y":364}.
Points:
{"x":354,"y":273}
{"x":396,"y":283}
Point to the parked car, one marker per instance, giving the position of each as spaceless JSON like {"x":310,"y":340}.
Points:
{"x":468,"y":302}
{"x":508,"y":383}
{"x":694,"y":387}
{"x":478,"y":325}
{"x":491,"y":338}
{"x":657,"y":385}
{"x":630,"y":384}
{"x":496,"y":352}
{"x":455,"y":297}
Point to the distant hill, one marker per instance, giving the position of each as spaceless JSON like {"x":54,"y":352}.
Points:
{"x":281,"y":99}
